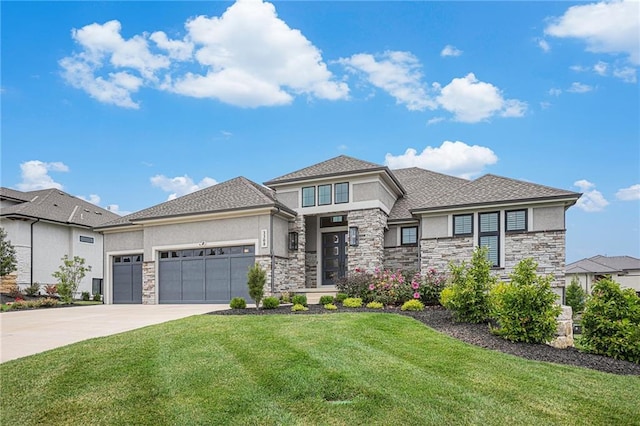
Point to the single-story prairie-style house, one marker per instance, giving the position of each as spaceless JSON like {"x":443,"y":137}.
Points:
{"x":624,"y":270}
{"x":310,"y":227}
{"x":45,"y":225}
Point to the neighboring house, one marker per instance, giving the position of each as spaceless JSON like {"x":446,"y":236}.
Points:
{"x":311,"y":227}
{"x":624,"y":270}
{"x":45,"y":225}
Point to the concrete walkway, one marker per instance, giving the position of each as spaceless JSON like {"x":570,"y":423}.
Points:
{"x":24,"y":333}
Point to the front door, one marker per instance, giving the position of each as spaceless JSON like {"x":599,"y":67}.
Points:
{"x":334,"y":257}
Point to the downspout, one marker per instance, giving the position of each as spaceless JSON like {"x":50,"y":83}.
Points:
{"x":31,"y":251}
{"x":273,"y":259}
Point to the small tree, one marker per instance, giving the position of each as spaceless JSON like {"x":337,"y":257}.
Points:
{"x":69,"y":275}
{"x":256,"y":278}
{"x":7,"y":255}
{"x":575,"y":296}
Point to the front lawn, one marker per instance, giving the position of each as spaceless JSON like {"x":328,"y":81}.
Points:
{"x":313,"y":369}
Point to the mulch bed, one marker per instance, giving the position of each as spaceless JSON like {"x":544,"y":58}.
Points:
{"x":476,"y":334}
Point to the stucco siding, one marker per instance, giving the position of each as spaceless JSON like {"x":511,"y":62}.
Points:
{"x":435,"y":226}
{"x":18,"y":232}
{"x":123,"y":241}
{"x":391,"y":236}
{"x":289,"y":198}
{"x":548,"y":218}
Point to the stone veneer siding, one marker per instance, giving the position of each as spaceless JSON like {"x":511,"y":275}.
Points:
{"x":545,"y":247}
{"x":282,"y":281}
{"x":404,"y":258}
{"x":311,"y":269}
{"x":149,"y":283}
{"x":436,"y":253}
{"x":369,"y":253}
{"x":297,"y":258}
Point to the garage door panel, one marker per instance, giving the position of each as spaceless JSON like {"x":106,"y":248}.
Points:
{"x":170,"y":288}
{"x":123,"y":284}
{"x":217,"y":280}
{"x":239,"y":269}
{"x":192,"y":283}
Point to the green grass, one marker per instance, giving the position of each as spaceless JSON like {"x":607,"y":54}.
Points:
{"x":346,"y":369}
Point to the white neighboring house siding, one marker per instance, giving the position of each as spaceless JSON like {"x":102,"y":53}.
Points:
{"x":587,"y":280}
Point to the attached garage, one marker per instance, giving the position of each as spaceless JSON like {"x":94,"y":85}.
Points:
{"x":127,"y":279}
{"x":211,"y":275}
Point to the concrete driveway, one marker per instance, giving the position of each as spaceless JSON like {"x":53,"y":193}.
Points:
{"x":25,"y":333}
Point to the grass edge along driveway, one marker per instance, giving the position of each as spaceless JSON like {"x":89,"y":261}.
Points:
{"x":316,"y":369}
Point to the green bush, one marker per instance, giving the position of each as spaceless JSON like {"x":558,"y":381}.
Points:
{"x":297,"y":307}
{"x":356,"y":284}
{"x":69,"y":275}
{"x":285,"y":297}
{"x":299,"y":299}
{"x":412,"y":305}
{"x":525,"y":308}
{"x":575,"y":296}
{"x":352,"y":302}
{"x":256,"y":279}
{"x":238,"y":303}
{"x":33,"y":289}
{"x":375,"y":305}
{"x":611,"y":322}
{"x":97,"y":297}
{"x":270,"y":303}
{"x":325,"y":300}
{"x":85,"y":296}
{"x":468,"y":294}
{"x":340,"y":297}
{"x":48,"y":302}
{"x":431,"y":287}
{"x":330,"y":307}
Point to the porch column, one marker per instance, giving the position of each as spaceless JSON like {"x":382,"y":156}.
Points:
{"x":369,"y":253}
{"x":296,"y":270}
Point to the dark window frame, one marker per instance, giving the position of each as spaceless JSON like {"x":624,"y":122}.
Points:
{"x":88,"y":240}
{"x":465,"y":234}
{"x":335,"y":192}
{"x":309,"y":198}
{"x":495,"y":233}
{"x":506,"y":221}
{"x":330,"y":194}
{"x":402,"y":242}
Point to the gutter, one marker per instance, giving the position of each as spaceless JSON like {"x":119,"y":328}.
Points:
{"x":31,"y":251}
{"x":273,"y":258}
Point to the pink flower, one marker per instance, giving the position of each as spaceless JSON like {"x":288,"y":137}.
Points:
{"x":372,"y":287}
{"x":416,"y":295}
{"x":415,"y":285}
{"x":357,"y":269}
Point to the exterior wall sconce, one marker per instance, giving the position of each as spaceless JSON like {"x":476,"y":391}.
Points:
{"x":353,"y":236}
{"x":293,"y":241}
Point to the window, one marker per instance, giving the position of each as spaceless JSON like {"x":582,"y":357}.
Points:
{"x":409,"y":235}
{"x":490,"y":235}
{"x":324,"y":195}
{"x":327,"y":222}
{"x":84,"y":239}
{"x":516,"y":221}
{"x":462,"y":225}
{"x":342,"y":192}
{"x":309,"y":196}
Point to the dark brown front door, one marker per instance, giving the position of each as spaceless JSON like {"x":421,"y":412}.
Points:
{"x":334,"y":257}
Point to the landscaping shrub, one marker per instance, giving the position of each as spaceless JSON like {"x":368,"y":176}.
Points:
{"x":33,"y":289}
{"x":285,"y":297}
{"x":270,"y":303}
{"x":611,"y":322}
{"x":8,"y":259}
{"x":85,"y":296}
{"x":256,"y":279}
{"x":575,"y":296}
{"x":330,"y":307}
{"x":48,"y":302}
{"x":352,"y":302}
{"x":238,"y":303}
{"x":468,"y":294}
{"x":69,"y":275}
{"x":51,"y":289}
{"x":15,"y":292}
{"x":325,"y":300}
{"x":297,"y":307}
{"x":97,"y":297}
{"x":412,"y":305}
{"x":525,"y":308}
{"x":340,"y":297}
{"x":375,"y":305}
{"x":356,"y":284}
{"x":431,"y":287}
{"x":299,"y":299}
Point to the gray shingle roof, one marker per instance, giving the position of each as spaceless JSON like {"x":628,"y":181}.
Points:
{"x":341,"y":165}
{"x":603,"y":265}
{"x":423,"y":187}
{"x":56,"y":206}
{"x":492,"y":189}
{"x":14,"y":195}
{"x":235,"y":194}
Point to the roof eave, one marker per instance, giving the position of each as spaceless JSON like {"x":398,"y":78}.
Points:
{"x":568,"y":202}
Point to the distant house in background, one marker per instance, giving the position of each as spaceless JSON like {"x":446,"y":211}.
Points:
{"x":45,"y":225}
{"x":625,"y":270}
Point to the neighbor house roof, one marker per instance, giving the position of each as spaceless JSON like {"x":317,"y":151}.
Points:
{"x":337,"y":166}
{"x":603,"y":265}
{"x":236,"y":194}
{"x":492,"y":189}
{"x":54,"y":205}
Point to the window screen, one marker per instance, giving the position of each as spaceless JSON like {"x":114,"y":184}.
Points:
{"x":516,"y":220}
{"x":463,"y":224}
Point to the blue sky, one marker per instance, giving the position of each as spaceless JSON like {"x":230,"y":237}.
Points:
{"x":129,"y":104}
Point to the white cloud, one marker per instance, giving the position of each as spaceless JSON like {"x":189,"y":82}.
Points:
{"x":250,"y":58}
{"x":544,"y":45}
{"x":454,"y":158}
{"x":579,"y":88}
{"x":397,"y":73}
{"x":93,"y":198}
{"x":631,"y":193}
{"x":435,"y":120}
{"x":579,"y":68}
{"x":592,"y":200}
{"x":605,"y":27}
{"x":601,"y":68}
{"x":180,"y":185}
{"x":471,"y":100}
{"x":115,"y":208}
{"x":626,"y":74}
{"x":450,"y":50}
{"x":555,"y":91}
{"x":35,"y":175}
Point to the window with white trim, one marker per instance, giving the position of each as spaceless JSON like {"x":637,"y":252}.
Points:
{"x":84,"y":239}
{"x":489,"y":235}
{"x":516,"y":221}
{"x":462,"y":225}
